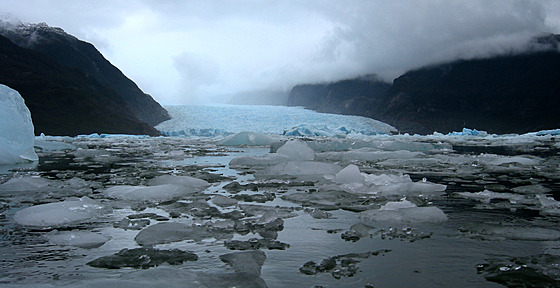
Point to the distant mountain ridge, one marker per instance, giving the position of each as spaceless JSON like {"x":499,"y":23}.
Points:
{"x":513,"y":93}
{"x":69,"y":86}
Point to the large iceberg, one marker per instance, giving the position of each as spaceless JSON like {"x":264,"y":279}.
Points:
{"x":16,"y":132}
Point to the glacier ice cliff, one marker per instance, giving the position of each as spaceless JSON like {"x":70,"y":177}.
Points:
{"x":16,"y":131}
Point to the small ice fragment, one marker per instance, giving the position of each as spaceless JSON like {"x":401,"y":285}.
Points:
{"x":27,"y":183}
{"x":299,"y":168}
{"x":404,"y":211}
{"x":81,"y":239}
{"x":531,"y":189}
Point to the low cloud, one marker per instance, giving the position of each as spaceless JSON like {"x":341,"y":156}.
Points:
{"x":185,"y":51}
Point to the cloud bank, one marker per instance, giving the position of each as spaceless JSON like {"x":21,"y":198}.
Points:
{"x":196,"y":51}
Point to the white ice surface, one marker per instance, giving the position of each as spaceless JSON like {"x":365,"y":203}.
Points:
{"x":187,"y":181}
{"x":297,"y":150}
{"x":156,"y":194}
{"x":81,"y":239}
{"x":16,"y":129}
{"x":59,"y":214}
{"x":404,"y":212}
{"x":220,"y":119}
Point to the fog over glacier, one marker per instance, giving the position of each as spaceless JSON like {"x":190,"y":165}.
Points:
{"x":205,"y":51}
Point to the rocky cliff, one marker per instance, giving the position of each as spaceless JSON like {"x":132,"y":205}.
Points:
{"x":70,"y":87}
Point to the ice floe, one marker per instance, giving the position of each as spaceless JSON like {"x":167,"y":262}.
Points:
{"x":60,"y":214}
{"x":81,"y":239}
{"x":404,"y":211}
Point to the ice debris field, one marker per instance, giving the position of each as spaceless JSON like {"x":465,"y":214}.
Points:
{"x":265,"y":207}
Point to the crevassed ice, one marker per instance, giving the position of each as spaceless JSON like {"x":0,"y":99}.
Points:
{"x":220,"y":120}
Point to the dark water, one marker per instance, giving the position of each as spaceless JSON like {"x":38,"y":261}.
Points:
{"x":487,"y":241}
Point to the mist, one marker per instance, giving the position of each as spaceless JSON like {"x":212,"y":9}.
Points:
{"x":207,"y":51}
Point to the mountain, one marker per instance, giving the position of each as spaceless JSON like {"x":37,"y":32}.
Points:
{"x":513,"y":93}
{"x":69,"y":86}
{"x":352,"y":96}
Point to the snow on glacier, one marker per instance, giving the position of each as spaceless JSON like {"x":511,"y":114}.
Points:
{"x":222,"y":120}
{"x":16,"y":132}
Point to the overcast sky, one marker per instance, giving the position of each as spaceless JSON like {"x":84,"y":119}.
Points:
{"x":191,"y":51}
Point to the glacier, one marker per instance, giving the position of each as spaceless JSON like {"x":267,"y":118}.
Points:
{"x":16,"y":132}
{"x":222,"y":120}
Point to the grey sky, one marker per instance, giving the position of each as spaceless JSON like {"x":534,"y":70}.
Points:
{"x":193,"y":51}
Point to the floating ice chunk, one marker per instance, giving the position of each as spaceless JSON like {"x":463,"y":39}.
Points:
{"x":531,"y":189}
{"x":404,"y":211}
{"x":425,"y":188}
{"x":16,"y":132}
{"x":297,"y":150}
{"x":249,"y":263}
{"x":61,"y":214}
{"x":82,"y":239}
{"x":396,"y":145}
{"x":187,"y":181}
{"x":264,"y":160}
{"x":50,"y":145}
{"x":469,"y":132}
{"x":396,"y":205}
{"x":549,"y":205}
{"x":387,"y":179}
{"x":167,"y":276}
{"x":267,"y":217}
{"x":486,"y":196}
{"x":223,"y":201}
{"x":169,"y":232}
{"x":491,"y":159}
{"x":401,"y":185}
{"x":27,"y":183}
{"x":414,"y":162}
{"x":247,"y":138}
{"x":156,"y":194}
{"x":298,"y":168}
{"x":368,"y":154}
{"x":96,"y":155}
{"x":515,"y":232}
{"x":350,"y":174}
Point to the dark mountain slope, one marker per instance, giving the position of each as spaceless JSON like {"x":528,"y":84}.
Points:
{"x":62,"y":100}
{"x":505,"y":94}
{"x":71,"y":52}
{"x":352,"y":96}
